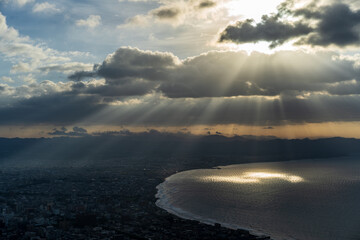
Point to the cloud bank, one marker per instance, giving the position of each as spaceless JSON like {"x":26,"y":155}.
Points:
{"x":225,"y":74}
{"x":136,"y":87}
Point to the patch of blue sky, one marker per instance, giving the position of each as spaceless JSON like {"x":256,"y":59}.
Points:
{"x":59,"y":31}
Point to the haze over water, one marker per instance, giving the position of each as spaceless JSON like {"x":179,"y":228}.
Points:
{"x":308,"y":200}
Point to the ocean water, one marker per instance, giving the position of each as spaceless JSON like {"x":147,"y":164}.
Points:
{"x":307,"y":199}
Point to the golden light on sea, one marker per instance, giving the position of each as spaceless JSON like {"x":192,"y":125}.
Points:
{"x":254,"y":177}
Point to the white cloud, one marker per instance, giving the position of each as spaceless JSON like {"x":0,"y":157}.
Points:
{"x":91,"y":22}
{"x":22,"y":3}
{"x":7,"y":79}
{"x":45,"y":7}
{"x":138,"y":20}
{"x":29,"y":56}
{"x":21,"y":67}
{"x":29,"y":79}
{"x":5,"y":90}
{"x":67,"y":68}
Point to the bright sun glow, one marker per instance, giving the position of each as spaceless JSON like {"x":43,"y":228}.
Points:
{"x":253,"y":177}
{"x":262,"y":47}
{"x":252,"y":9}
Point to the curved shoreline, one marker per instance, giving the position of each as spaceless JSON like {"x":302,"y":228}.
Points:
{"x":163,"y":203}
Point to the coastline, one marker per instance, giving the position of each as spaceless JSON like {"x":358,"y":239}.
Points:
{"x":163,"y":202}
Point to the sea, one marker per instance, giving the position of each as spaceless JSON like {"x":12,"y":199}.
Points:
{"x":316,"y":199}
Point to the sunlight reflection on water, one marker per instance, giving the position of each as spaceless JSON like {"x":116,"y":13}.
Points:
{"x":253,"y":177}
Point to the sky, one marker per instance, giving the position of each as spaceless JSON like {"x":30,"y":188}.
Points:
{"x":289,"y":68}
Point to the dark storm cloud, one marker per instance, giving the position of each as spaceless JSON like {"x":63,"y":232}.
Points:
{"x":77,"y":132}
{"x":129,"y":62}
{"x":77,"y":76}
{"x":132,"y":62}
{"x":167,"y":12}
{"x":269,"y":29}
{"x":335,"y":24}
{"x":206,"y":4}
